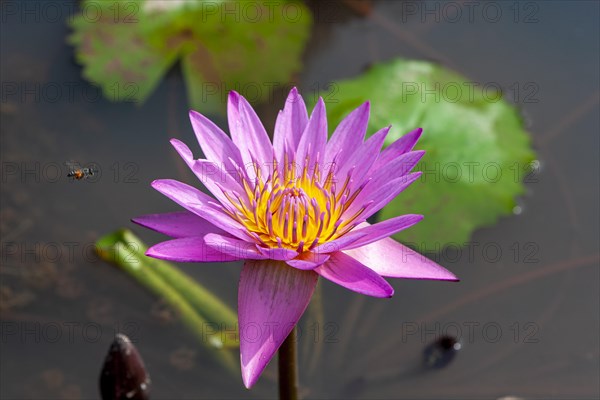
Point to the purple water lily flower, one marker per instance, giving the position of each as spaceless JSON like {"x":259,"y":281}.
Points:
{"x":294,"y":209}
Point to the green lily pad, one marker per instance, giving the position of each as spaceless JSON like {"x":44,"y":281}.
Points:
{"x":477,"y":150}
{"x":126,"y":47}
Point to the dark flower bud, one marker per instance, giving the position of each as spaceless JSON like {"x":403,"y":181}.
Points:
{"x":124,"y":376}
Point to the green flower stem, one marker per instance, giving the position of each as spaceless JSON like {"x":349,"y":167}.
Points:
{"x":114,"y":249}
{"x":288,"y":368}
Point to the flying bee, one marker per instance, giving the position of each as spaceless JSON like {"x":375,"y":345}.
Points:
{"x":77,"y":172}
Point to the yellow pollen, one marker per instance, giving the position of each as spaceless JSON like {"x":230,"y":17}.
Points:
{"x":294,"y":209}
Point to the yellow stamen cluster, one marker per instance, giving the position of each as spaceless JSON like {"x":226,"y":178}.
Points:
{"x":294,"y":209}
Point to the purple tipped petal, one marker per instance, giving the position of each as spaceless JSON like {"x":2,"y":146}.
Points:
{"x":379,"y":197}
{"x":184,"y":152}
{"x":372,"y":233}
{"x":403,"y":145}
{"x":351,"y":274}
{"x":390,"y":258}
{"x":209,"y":173}
{"x":389,"y":191}
{"x":348,"y":135}
{"x":200,"y":204}
{"x":290,"y":125}
{"x":362,"y":158}
{"x":239,"y":249}
{"x":215,"y":144}
{"x":178,"y":224}
{"x":380,"y":183}
{"x":308,"y":260}
{"x":314,"y":137}
{"x":189,"y":249}
{"x":394,"y":169}
{"x":337,"y":244}
{"x":249,"y":134}
{"x":233,"y":111}
{"x":271,"y":299}
{"x":217,"y":180}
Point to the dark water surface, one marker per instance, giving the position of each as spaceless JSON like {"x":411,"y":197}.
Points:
{"x":528,"y":319}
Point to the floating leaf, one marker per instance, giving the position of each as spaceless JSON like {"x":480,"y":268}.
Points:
{"x":247,"y":46}
{"x":115,"y":55}
{"x":477,"y":149}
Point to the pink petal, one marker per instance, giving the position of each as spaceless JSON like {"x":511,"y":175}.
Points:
{"x":388,"y":192}
{"x":216,"y":145}
{"x":351,"y":274}
{"x":379,"y":190}
{"x":371,"y":233}
{"x":217,"y":180}
{"x":392,"y":259}
{"x":209,"y":173}
{"x":189,"y":249}
{"x":290,"y":124}
{"x":271,"y":299}
{"x":239,"y":249}
{"x":178,"y":224}
{"x":249,"y":134}
{"x":337,"y":244}
{"x":348,"y":136}
{"x":395,"y":168}
{"x":277,"y":253}
{"x":200,"y":204}
{"x":184,"y":151}
{"x":403,"y":145}
{"x":379,"y":197}
{"x":308,"y":260}
{"x":314,"y":137}
{"x":363,"y":158}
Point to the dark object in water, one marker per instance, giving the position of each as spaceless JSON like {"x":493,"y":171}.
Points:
{"x":124,"y":376}
{"x":441,"y":352}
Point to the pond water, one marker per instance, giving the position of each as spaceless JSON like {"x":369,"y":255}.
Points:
{"x":528,"y":319}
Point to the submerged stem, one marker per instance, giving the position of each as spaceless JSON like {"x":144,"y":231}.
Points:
{"x":288,"y":368}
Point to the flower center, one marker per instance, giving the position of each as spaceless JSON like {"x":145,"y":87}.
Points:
{"x":295,"y":209}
